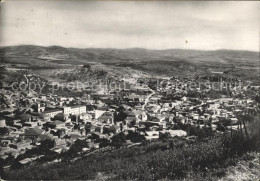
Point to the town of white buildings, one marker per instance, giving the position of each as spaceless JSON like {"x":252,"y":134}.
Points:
{"x":149,"y":113}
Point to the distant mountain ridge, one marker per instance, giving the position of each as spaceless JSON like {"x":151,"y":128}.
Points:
{"x":136,"y":53}
{"x":57,"y":54}
{"x":171,"y":62}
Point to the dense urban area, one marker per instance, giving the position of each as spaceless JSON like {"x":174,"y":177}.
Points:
{"x":101,"y":121}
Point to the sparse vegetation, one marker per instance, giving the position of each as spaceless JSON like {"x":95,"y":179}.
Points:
{"x":202,"y":159}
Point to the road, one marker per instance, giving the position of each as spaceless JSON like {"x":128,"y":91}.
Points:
{"x":148,"y":97}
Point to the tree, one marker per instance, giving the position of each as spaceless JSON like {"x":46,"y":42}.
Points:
{"x":88,"y":128}
{"x":78,"y":145}
{"x":4,"y":131}
{"x":103,"y":142}
{"x":109,"y":130}
{"x":120,"y":114}
{"x":164,"y":136}
{"x":118,"y":140}
{"x":171,"y":144}
{"x":60,"y":133}
{"x":47,"y":144}
{"x":257,"y":98}
{"x":135,"y":137}
{"x":9,"y":160}
{"x":121,"y":127}
{"x":87,"y":66}
{"x":176,"y":127}
{"x":2,"y":161}
{"x":133,"y":122}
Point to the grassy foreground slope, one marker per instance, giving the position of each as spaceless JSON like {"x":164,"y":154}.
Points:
{"x":208,"y":158}
{"x":204,"y":159}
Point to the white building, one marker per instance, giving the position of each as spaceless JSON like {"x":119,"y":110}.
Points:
{"x":75,"y":110}
{"x":2,"y":123}
{"x":175,"y":132}
{"x":150,"y":135}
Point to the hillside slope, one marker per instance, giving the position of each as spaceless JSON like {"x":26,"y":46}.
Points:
{"x":164,"y":62}
{"x":90,"y":54}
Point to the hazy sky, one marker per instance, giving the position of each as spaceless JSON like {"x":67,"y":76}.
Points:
{"x":117,"y":24}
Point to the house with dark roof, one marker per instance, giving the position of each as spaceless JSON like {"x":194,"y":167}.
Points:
{"x":24,"y":117}
{"x":32,"y":133}
{"x":60,"y":117}
{"x":107,"y":117}
{"x":43,"y":137}
{"x":56,"y":124}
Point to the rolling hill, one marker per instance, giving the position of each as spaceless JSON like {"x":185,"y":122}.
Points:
{"x":158,"y":61}
{"x":91,"y":54}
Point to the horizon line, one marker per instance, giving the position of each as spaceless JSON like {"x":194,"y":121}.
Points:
{"x":47,"y":46}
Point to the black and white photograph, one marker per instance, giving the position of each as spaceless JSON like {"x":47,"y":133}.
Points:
{"x":129,"y":90}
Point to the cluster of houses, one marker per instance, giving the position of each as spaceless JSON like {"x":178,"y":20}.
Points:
{"x":144,"y":111}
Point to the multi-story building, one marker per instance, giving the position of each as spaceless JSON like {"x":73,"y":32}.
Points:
{"x":52,"y":113}
{"x":74,"y":110}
